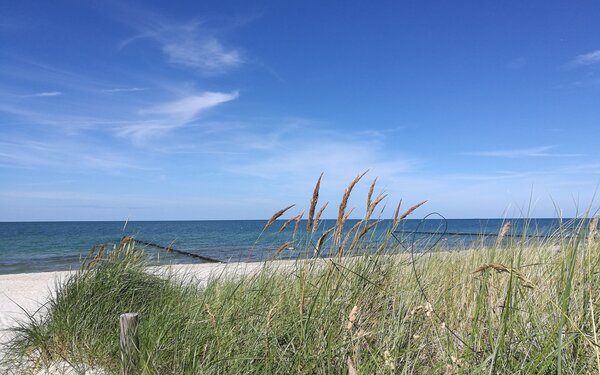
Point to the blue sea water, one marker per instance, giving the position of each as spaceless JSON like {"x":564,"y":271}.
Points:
{"x":52,"y":246}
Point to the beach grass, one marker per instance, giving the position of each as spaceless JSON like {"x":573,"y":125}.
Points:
{"x":517,"y":306}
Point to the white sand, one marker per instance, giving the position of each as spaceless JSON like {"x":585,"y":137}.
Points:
{"x":24,"y":291}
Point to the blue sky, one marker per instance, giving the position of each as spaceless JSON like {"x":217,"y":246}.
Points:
{"x":231,"y":110}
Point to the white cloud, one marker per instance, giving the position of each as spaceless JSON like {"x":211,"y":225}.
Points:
{"x":191,"y":45}
{"x":45,"y":94}
{"x":520,"y":153}
{"x":164,"y":117}
{"x":189,"y":107}
{"x":205,"y":54}
{"x":586,"y":59}
{"x":123,"y":89}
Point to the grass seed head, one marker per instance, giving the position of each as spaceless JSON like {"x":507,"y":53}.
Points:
{"x":410,"y":211}
{"x":352,"y":317}
{"x":318,"y":216}
{"x":313,"y":204}
{"x":343,"y":204}
{"x":276,"y":215}
{"x":503,"y":232}
{"x":297,"y":218}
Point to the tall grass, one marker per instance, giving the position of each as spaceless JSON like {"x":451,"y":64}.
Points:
{"x":513,"y":307}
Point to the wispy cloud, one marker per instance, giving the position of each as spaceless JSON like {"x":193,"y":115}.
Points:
{"x":190,"y":45}
{"x":205,"y":54}
{"x":292,"y":153}
{"x":64,"y":156}
{"x":164,"y":117}
{"x":44,"y":94}
{"x":187,"y":108}
{"x":520,"y":153}
{"x":123,"y":89}
{"x":586,"y":59}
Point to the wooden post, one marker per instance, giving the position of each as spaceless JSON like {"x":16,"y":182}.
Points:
{"x":129,"y":343}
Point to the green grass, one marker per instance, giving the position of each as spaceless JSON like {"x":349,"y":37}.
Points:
{"x":519,"y":306}
{"x":530,"y":311}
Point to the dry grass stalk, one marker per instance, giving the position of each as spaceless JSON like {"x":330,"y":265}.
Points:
{"x":593,"y":232}
{"x":350,"y":327}
{"x":370,"y":195}
{"x":282,"y":247}
{"x":318,"y":216}
{"x":388,"y":361}
{"x":374,"y":204}
{"x":501,"y":268}
{"x":313,"y":204}
{"x":503,"y":232}
{"x":410,"y":211}
{"x":285,"y":225}
{"x":297,"y":218}
{"x":343,"y":204}
{"x":352,"y":317}
{"x":347,"y":237}
{"x":351,"y":368}
{"x":348,"y":214}
{"x":321,"y":239}
{"x":425,"y":309}
{"x":364,"y":231}
{"x":276,"y":215}
{"x":396,"y":221}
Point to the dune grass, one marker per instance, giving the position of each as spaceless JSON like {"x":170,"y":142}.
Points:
{"x":515,"y":307}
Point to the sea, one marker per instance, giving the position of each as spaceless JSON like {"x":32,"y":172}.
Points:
{"x":54,"y":246}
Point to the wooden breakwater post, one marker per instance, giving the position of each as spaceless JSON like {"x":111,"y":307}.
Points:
{"x":130,"y":343}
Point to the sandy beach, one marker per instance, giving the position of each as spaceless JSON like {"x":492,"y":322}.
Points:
{"x":25,"y":291}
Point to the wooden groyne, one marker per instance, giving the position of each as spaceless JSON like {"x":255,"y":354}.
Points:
{"x":170,"y":249}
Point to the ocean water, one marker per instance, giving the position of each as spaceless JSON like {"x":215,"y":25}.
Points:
{"x":52,"y":246}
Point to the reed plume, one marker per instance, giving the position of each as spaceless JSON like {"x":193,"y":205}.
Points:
{"x":321,"y":239}
{"x":297,"y":218}
{"x":282,"y":247}
{"x":313,"y":204}
{"x":374,"y":204}
{"x":276,"y":215}
{"x":503,"y":232}
{"x":341,"y":219}
{"x":350,"y":231}
{"x":501,"y":268}
{"x":318,"y":216}
{"x":348,"y":214}
{"x":352,"y":319}
{"x":396,"y":221}
{"x":410,"y":211}
{"x":285,"y":225}
{"x":370,"y":194}
{"x":364,"y":231}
